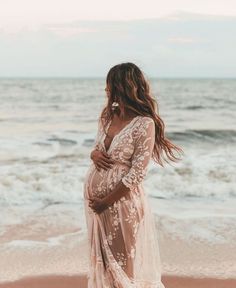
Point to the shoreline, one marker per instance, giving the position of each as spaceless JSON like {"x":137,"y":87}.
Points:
{"x":197,"y":260}
{"x":43,"y":250}
{"x":66,"y":281}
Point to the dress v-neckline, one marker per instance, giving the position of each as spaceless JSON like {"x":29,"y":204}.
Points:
{"x":104,"y":138}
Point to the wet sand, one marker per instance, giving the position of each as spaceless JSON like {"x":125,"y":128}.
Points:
{"x":80,"y":281}
{"x":51,"y":264}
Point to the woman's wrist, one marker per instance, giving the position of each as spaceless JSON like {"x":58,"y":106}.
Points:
{"x":91,"y":154}
{"x":105,"y":203}
{"x":118,"y":192}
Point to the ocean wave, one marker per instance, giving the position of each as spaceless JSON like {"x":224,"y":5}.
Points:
{"x":195,"y":107}
{"x":221,"y":136}
{"x":63,"y":141}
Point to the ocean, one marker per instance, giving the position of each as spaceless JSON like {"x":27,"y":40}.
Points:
{"x":47,"y":130}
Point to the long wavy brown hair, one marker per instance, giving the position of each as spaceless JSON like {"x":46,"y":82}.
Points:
{"x":127,"y":86}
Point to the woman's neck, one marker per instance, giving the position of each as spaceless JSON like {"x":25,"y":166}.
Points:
{"x":128,"y":116}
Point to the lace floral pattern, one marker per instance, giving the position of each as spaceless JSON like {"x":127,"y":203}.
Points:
{"x":142,"y":153}
{"x":124,"y":249}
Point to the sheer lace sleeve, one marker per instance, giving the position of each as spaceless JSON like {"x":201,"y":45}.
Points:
{"x":142,"y":153}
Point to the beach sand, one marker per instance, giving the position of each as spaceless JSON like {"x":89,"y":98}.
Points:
{"x":80,"y":281}
{"x":44,"y":252}
{"x":184,"y":264}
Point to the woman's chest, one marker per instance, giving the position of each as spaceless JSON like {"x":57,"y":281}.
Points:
{"x":121,"y":147}
{"x":121,"y":141}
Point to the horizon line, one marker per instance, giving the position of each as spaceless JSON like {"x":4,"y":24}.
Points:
{"x":103,"y":77}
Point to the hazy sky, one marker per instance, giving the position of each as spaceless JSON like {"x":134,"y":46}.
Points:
{"x":84,"y":38}
{"x":20,"y":12}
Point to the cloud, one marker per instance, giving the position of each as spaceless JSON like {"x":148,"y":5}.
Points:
{"x":192,"y":45}
{"x":66,"y":32}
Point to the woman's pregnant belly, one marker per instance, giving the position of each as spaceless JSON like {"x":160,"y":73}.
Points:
{"x":100,"y":183}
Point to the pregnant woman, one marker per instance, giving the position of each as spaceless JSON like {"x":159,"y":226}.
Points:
{"x":123,"y":243}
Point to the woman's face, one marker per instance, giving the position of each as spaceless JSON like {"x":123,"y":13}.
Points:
{"x":107,"y":90}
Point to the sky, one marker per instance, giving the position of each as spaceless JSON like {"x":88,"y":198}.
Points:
{"x":73,"y":38}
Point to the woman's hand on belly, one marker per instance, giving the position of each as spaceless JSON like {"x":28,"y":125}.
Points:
{"x":102,"y":160}
{"x":97,"y":204}
{"x":101,"y":204}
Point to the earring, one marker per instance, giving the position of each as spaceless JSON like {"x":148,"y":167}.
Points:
{"x":114,"y":105}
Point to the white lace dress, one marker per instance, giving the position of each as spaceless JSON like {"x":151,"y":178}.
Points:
{"x":123,"y":243}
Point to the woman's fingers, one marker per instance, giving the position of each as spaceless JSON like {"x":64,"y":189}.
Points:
{"x":97,"y":166}
{"x":107,"y":158}
{"x":100,"y":166}
{"x":108,"y":165}
{"x":103,"y":161}
{"x":105,"y":155}
{"x":103,"y":165}
{"x":108,"y":161}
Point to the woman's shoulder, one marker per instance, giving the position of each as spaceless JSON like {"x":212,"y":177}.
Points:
{"x":143,"y":124}
{"x":146,"y":120}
